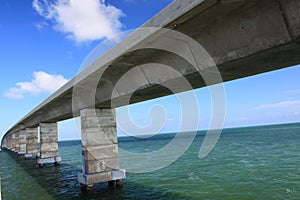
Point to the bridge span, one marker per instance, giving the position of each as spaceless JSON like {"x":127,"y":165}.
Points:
{"x":236,"y":38}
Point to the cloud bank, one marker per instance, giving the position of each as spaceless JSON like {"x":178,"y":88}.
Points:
{"x":41,"y":82}
{"x":82,"y":21}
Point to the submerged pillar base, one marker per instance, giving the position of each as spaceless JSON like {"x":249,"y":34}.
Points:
{"x":42,"y":161}
{"x":119,"y":183}
{"x":86,"y":188}
{"x":90,"y":179}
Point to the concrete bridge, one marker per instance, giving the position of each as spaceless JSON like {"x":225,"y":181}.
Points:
{"x":241,"y":37}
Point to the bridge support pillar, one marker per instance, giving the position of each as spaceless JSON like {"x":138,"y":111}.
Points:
{"x":12,"y":142}
{"x":48,"y":144}
{"x":16,"y":143}
{"x":99,"y":148}
{"x":22,"y":142}
{"x":8,"y":142}
{"x":31,"y":143}
{"x":4,"y":144}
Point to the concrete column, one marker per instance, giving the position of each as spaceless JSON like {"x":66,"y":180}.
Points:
{"x":9,"y":141}
{"x":48,"y":144}
{"x":32,"y":147}
{"x":99,"y":148}
{"x":16,"y":142}
{"x":12,"y":142}
{"x":4,"y":143}
{"x":22,"y":142}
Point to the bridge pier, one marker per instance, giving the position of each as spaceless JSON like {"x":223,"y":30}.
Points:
{"x":16,"y":143}
{"x":99,"y":148}
{"x":11,"y":146}
{"x":31,"y":143}
{"x":5,"y":143}
{"x":48,"y":144}
{"x":8,"y":142}
{"x":22,"y":142}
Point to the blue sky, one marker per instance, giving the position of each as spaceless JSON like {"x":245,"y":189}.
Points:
{"x":43,"y":44}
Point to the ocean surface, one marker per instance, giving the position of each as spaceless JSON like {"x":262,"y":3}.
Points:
{"x":246,"y":163}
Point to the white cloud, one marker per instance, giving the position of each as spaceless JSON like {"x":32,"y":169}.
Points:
{"x":283,"y":104}
{"x":41,"y":25}
{"x":42,"y":82}
{"x":86,"y":20}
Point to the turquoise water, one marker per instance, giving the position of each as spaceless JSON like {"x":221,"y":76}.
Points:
{"x":247,"y":163}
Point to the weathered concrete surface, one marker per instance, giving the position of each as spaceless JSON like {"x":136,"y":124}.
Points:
{"x":22,"y":141}
{"x":99,"y":146}
{"x":89,"y":179}
{"x":9,"y":141}
{"x":32,"y":142}
{"x":55,"y":160}
{"x":48,"y":143}
{"x":5,"y":143}
{"x":16,"y":142}
{"x":13,"y":141}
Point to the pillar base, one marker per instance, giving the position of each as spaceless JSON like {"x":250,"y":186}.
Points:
{"x":119,"y":183}
{"x":90,"y":179}
{"x":42,"y":161}
{"x":21,"y":153}
{"x":29,"y":156}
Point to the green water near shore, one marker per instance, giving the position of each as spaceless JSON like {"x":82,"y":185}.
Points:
{"x":247,"y":163}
